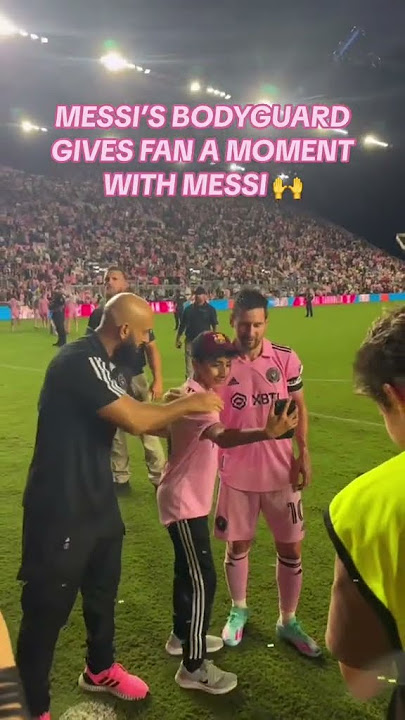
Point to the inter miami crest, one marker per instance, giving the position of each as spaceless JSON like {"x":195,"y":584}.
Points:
{"x":273,"y":375}
{"x":122,"y":381}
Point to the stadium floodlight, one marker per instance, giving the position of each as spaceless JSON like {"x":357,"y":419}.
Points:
{"x":210,"y":90}
{"x":147,"y":71}
{"x":195,"y":86}
{"x":7,"y":27}
{"x":371,"y":140}
{"x":217,"y":92}
{"x":114,"y":62}
{"x":34,"y":36}
{"x":228,"y":97}
{"x":222,"y":94}
{"x":27,"y":126}
{"x":139,"y":68}
{"x":44,"y":40}
{"x":283,"y":176}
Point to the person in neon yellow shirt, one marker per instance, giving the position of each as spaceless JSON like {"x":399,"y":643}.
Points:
{"x":366,"y":523}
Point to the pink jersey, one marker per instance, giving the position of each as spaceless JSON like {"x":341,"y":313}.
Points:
{"x":251,"y":389}
{"x":15,"y":308}
{"x":43,"y":307}
{"x":187,"y":486}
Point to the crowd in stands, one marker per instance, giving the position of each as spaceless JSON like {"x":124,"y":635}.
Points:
{"x":54,"y":231}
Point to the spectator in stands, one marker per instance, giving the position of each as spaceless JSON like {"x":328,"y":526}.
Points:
{"x":56,"y":232}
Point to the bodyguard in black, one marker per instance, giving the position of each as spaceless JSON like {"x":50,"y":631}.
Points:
{"x":198,"y":317}
{"x":130,"y":364}
{"x":73,"y":531}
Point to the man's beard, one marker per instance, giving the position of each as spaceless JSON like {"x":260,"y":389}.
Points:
{"x":247,"y":344}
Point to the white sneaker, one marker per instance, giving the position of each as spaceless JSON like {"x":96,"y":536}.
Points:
{"x":174,"y":647}
{"x":209,"y":678}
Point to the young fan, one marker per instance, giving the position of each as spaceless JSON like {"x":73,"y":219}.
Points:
{"x":185,"y":498}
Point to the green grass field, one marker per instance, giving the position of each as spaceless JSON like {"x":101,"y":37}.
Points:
{"x":347,"y":438}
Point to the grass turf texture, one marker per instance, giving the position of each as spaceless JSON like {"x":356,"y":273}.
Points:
{"x":275,"y":683}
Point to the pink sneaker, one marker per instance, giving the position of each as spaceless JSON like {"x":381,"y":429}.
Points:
{"x":44,"y":716}
{"x":116,"y":681}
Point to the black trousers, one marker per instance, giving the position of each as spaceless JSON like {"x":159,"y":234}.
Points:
{"x":310,"y":312}
{"x":57,"y":563}
{"x":59,"y":322}
{"x":194,"y":587}
{"x":177,"y":317}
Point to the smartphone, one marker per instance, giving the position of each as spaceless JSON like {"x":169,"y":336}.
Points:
{"x":279,"y":409}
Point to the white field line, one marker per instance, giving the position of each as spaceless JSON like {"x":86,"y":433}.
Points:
{"x":336,"y":418}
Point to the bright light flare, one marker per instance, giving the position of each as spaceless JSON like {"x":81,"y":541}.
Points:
{"x":114,"y":62}
{"x":28,"y":127}
{"x":371,"y":140}
{"x":7,"y":27}
{"x":195,"y":86}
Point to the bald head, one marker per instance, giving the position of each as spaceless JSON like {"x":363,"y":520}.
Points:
{"x":127,"y":319}
{"x":127,"y":309}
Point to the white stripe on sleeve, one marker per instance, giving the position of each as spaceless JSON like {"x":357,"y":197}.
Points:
{"x":103,"y":374}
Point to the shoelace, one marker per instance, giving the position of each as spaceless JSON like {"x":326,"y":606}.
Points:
{"x":234,"y":615}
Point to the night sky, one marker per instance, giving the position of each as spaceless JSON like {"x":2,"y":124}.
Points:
{"x":252,"y":50}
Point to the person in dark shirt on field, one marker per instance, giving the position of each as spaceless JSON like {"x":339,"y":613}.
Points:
{"x":179,"y":302}
{"x":130,"y":372}
{"x":57,"y":308}
{"x":198,"y":317}
{"x":308,"y":302}
{"x":73,"y":530}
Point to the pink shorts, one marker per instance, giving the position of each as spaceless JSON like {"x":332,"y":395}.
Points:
{"x":237,"y":514}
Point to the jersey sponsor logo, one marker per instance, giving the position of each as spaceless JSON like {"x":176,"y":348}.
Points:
{"x":239,"y":401}
{"x":233,"y":381}
{"x":264,"y":398}
{"x":273,"y":374}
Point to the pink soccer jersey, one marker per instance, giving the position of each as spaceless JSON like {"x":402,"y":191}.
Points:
{"x":187,"y":486}
{"x":43,"y":307}
{"x":251,"y":389}
{"x":15,"y":308}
